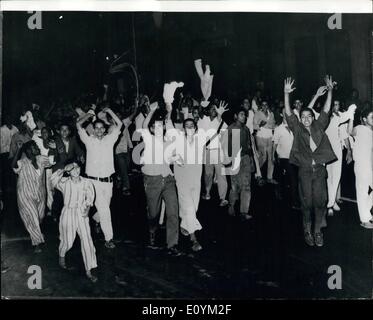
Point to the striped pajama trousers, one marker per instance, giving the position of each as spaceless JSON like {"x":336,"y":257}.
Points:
{"x":32,"y":214}
{"x":71,"y":223}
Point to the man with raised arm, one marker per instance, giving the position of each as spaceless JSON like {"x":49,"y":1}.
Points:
{"x":100,"y":167}
{"x":311,"y":151}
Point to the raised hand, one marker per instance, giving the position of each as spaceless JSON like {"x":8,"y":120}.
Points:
{"x":288,"y":85}
{"x":222,"y":108}
{"x":52,"y":144}
{"x":321,"y":91}
{"x":329,"y":82}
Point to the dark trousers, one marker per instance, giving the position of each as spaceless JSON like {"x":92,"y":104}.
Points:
{"x":122,"y":161}
{"x":241,"y":186}
{"x":158,"y":188}
{"x":313,"y":194}
{"x":288,"y":178}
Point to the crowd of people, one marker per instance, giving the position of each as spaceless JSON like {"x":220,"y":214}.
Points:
{"x":66,"y":169}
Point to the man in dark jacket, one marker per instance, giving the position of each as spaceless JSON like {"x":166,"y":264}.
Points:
{"x":311,"y":151}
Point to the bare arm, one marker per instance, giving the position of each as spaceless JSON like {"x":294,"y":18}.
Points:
{"x":153,"y":107}
{"x":118,"y":122}
{"x":288,"y":88}
{"x":320,"y":91}
{"x":82,"y":120}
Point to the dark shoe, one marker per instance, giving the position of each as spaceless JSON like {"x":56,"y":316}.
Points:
{"x":120,"y":281}
{"x":174,"y":251}
{"x":126,"y":192}
{"x":309,"y":239}
{"x":231,"y":211}
{"x":319,"y":239}
{"x":245,"y":216}
{"x":272,"y":181}
{"x":223,"y":203}
{"x":196,"y":246}
{"x":91,"y":277}
{"x":38,"y":249}
{"x":110,"y":244}
{"x":62,"y":263}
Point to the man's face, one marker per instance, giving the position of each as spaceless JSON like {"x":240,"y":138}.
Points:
{"x":75,"y":171}
{"x":355,"y":94}
{"x":298,"y":104}
{"x":158,"y":128}
{"x":212,"y":111}
{"x":35,"y":150}
{"x":264,"y":106}
{"x":190,"y":129}
{"x":44,"y":134}
{"x":336,"y":106}
{"x":241,"y":117}
{"x":195,"y":114}
{"x":99,"y":130}
{"x":65,"y":132}
{"x":306,"y":118}
{"x":246,"y":104}
{"x":369,"y":120}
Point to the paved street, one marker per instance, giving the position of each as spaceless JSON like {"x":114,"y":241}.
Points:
{"x":265,"y":257}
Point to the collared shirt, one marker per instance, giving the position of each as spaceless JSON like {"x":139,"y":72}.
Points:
{"x":363,"y":147}
{"x":66,"y":144}
{"x":283,"y":138}
{"x":266,"y":130}
{"x":124,"y":140}
{"x":210,"y":128}
{"x":100,"y":158}
{"x":334,"y":131}
{"x":301,"y":153}
{"x":6,"y":135}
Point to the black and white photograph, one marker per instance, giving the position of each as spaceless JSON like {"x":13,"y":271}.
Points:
{"x":184,"y":154}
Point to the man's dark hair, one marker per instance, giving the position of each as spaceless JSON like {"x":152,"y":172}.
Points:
{"x":190,"y":120}
{"x":99,"y":121}
{"x":158,"y":115}
{"x":307,"y":110}
{"x":365,"y":112}
{"x":238,"y":110}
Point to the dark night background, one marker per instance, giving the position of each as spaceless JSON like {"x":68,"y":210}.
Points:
{"x":67,"y":57}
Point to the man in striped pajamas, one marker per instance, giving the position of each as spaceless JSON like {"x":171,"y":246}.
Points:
{"x":78,"y":194}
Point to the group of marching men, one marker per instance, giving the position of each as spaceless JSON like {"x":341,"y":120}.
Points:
{"x":175,"y":155}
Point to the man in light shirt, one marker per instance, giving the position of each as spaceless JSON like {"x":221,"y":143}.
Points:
{"x":7,"y":131}
{"x":264,"y":123}
{"x":282,"y":144}
{"x":214,"y":125}
{"x":100,"y":167}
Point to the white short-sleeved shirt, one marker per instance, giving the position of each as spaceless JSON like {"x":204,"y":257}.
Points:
{"x":6,"y":135}
{"x":210,"y":128}
{"x":363,"y":147}
{"x":283,"y":138}
{"x":100,"y":157}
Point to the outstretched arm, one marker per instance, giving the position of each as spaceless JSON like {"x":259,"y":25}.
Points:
{"x":288,"y":88}
{"x":117,"y":121}
{"x":329,"y":85}
{"x":153,"y":107}
{"x":320,"y":91}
